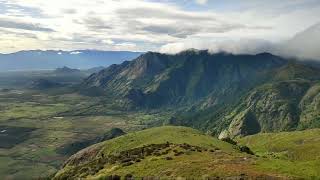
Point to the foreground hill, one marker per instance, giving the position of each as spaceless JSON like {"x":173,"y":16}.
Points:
{"x":169,"y":152}
{"x":163,"y":152}
{"x":230,"y":95}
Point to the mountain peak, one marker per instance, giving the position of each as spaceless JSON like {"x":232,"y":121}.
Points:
{"x":163,"y":79}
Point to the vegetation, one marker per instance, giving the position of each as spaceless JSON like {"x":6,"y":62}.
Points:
{"x":38,"y":127}
{"x":292,"y":153}
{"x":162,"y":152}
{"x":47,"y":116}
{"x":184,"y":152}
{"x":237,"y":95}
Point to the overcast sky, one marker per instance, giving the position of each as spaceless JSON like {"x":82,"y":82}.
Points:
{"x":158,"y":25}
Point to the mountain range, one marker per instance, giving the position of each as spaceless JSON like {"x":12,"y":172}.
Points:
{"x":80,"y":59}
{"x":223,"y":94}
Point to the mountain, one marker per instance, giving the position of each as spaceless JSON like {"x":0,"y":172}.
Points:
{"x":66,"y":70}
{"x":230,"y":95}
{"x":80,"y":59}
{"x":95,"y":69}
{"x":171,"y":152}
{"x":155,"y":80}
{"x":288,"y":102}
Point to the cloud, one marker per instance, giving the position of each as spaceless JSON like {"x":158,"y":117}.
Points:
{"x":75,"y":52}
{"x":177,"y":23}
{"x":241,"y":46}
{"x":148,"y":25}
{"x":304,"y":45}
{"x":69,"y":11}
{"x":11,"y":24}
{"x":96,"y":23}
{"x":171,"y":30}
{"x":202,"y":2}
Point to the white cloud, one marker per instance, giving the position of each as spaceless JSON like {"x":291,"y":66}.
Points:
{"x":144,"y":25}
{"x":201,"y":1}
{"x":304,"y":45}
{"x":240,"y":46}
{"x":75,"y":52}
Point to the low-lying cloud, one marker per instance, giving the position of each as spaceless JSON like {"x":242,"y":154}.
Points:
{"x":304,"y":45}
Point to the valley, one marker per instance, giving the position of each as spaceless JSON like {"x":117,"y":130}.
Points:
{"x":88,"y":124}
{"x":159,"y":90}
{"x":38,"y":127}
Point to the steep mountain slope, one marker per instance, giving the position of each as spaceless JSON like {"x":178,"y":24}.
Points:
{"x":155,"y":80}
{"x":233,"y":94}
{"x":289,"y":104}
{"x":166,"y":152}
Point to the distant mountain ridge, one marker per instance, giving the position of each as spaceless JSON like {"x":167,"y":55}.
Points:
{"x":226,"y":94}
{"x":80,"y":59}
{"x":66,"y":69}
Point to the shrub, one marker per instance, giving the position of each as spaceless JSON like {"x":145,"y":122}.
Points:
{"x":229,"y":140}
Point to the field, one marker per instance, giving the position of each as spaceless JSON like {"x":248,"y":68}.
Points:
{"x":35,"y":124}
{"x":293,"y":153}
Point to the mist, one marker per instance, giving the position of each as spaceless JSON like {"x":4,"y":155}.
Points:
{"x":304,"y":45}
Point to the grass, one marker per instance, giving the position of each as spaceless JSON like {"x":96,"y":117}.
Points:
{"x":292,"y":153}
{"x":215,"y":157}
{"x":37,"y":154}
{"x":158,"y":135}
{"x":190,"y":165}
{"x":30,"y":110}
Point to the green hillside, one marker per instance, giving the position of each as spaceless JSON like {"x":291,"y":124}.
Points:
{"x":226,"y":94}
{"x":274,"y":107}
{"x":156,"y":80}
{"x":293,"y":153}
{"x":163,"y":152}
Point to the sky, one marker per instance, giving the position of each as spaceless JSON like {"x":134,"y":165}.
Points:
{"x":168,"y":26}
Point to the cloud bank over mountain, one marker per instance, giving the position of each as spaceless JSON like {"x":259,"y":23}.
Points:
{"x":154,"y":25}
{"x":304,"y":45}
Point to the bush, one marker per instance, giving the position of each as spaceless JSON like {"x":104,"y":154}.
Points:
{"x":229,"y":140}
{"x":245,"y":149}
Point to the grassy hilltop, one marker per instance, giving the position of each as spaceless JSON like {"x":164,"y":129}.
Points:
{"x":174,"y":152}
